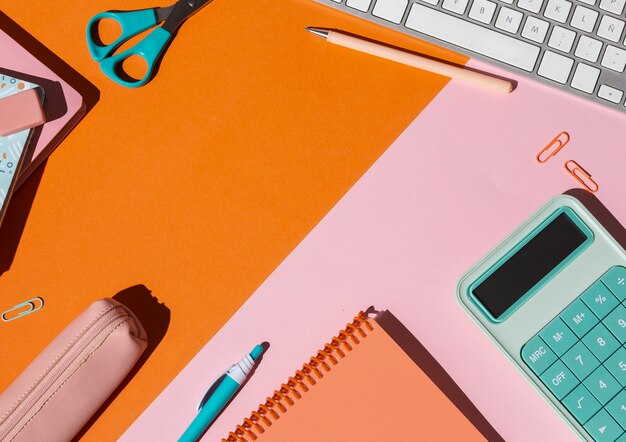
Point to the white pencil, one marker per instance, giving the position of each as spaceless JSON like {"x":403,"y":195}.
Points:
{"x":415,"y":60}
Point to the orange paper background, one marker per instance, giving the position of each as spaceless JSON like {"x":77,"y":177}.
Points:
{"x":199,"y":184}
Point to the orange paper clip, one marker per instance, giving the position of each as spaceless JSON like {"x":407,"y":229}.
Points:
{"x":22,"y":309}
{"x":581,"y":175}
{"x":553,"y":147}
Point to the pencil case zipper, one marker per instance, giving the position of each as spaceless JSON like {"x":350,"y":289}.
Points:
{"x":66,"y":363}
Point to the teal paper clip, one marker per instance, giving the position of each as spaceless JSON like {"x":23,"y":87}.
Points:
{"x":23,"y":309}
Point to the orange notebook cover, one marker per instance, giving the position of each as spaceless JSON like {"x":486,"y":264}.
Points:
{"x":361,"y":386}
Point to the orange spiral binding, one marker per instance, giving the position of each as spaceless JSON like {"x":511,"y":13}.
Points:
{"x":302,"y":381}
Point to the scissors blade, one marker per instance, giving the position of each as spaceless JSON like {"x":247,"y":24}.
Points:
{"x":163,"y":13}
{"x":181,"y":11}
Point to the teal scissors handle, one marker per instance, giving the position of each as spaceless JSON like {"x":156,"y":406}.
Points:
{"x":132,"y":24}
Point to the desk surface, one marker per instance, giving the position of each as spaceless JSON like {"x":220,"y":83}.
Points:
{"x":198,"y":185}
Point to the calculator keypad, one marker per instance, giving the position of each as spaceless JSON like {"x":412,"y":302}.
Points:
{"x":580,"y":356}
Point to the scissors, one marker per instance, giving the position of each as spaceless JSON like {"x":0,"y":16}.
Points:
{"x":150,"y":48}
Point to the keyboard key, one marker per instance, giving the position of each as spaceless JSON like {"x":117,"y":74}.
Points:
{"x":584,"y":18}
{"x":610,"y":93}
{"x":580,"y":361}
{"x":588,"y":48}
{"x":361,"y":5}
{"x":616,"y":320}
{"x":615,"y":280}
{"x":585,"y":79}
{"x":614,"y":6}
{"x":610,"y":28}
{"x":538,"y":355}
{"x":616,"y":365}
{"x":509,"y":20}
{"x":457,"y":6}
{"x":558,"y":336}
{"x":562,"y":39}
{"x":579,"y":318}
{"x":530,"y":5}
{"x":617,"y":408}
{"x":391,"y":10}
{"x":558,"y":10}
{"x":601,"y":343}
{"x":614,"y":58}
{"x":603,"y":386}
{"x":472,"y":37}
{"x":589,"y":2}
{"x":555,"y":67}
{"x":534,"y":29}
{"x":602,"y":427}
{"x":582,"y":404}
{"x":482,"y":11}
{"x":559,"y":380}
{"x":599,"y":298}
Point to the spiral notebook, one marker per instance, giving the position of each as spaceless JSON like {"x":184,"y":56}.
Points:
{"x":361,"y":386}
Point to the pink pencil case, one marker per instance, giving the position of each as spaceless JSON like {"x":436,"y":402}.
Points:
{"x":67,"y":383}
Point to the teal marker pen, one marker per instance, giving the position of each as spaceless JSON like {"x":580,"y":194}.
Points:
{"x":234,"y":377}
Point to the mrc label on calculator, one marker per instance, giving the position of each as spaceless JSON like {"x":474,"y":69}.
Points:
{"x":552,"y":296}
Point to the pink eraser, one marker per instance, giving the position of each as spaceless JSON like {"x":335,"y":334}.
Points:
{"x":20,"y":111}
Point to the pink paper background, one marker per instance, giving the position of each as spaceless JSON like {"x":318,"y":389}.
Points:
{"x":458,"y":180}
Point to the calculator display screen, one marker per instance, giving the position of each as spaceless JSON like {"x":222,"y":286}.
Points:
{"x":529,"y":265}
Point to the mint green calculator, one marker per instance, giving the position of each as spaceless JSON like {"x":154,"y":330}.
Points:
{"x":552,"y":296}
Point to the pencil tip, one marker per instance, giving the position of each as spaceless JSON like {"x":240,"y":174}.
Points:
{"x":317,"y":31}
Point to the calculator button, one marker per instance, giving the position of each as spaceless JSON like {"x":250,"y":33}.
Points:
{"x":616,"y":323}
{"x":602,"y":427}
{"x":558,"y":336}
{"x":622,"y":438}
{"x":601,"y":342}
{"x":615,"y":280}
{"x":602,"y":385}
{"x":599,"y":299}
{"x":580,"y":360}
{"x":559,"y":379}
{"x":579,"y":318}
{"x":616,"y":365}
{"x":617,"y":408}
{"x":538,"y":355}
{"x":581,"y":404}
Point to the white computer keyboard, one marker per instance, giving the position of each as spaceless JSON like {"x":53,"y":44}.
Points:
{"x":577,"y":46}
